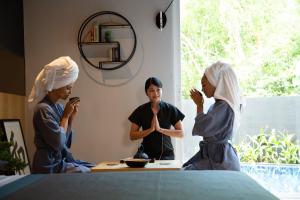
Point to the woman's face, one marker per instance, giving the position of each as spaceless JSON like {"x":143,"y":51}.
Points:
{"x":154,"y":93}
{"x":207,"y":88}
{"x":64,"y":92}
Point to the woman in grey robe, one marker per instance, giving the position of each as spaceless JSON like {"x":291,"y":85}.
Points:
{"x":219,"y":123}
{"x":52,"y":121}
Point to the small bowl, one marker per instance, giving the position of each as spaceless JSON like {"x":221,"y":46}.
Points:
{"x":136,"y":163}
{"x":71,"y":99}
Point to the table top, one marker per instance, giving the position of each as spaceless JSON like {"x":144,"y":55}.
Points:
{"x":157,"y":165}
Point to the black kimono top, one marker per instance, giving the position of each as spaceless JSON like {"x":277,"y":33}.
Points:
{"x":157,"y":145}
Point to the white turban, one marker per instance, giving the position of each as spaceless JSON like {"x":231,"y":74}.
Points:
{"x":223,"y":78}
{"x":57,"y":74}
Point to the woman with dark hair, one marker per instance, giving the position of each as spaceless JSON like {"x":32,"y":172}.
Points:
{"x":156,"y":118}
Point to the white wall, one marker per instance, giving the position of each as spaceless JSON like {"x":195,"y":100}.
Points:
{"x":51,"y":28}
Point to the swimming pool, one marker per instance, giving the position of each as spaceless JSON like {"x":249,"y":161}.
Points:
{"x":282,"y":180}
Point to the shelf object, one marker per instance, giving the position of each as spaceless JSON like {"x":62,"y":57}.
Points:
{"x":102,"y":54}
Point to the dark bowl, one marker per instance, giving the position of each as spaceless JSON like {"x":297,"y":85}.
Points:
{"x":136,"y":163}
{"x":72,"y":98}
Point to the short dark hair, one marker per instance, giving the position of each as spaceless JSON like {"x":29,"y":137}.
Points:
{"x":152,"y":80}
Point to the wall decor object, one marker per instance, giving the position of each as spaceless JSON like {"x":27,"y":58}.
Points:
{"x":106,"y":40}
{"x":14,"y":134}
{"x":161,"y":18}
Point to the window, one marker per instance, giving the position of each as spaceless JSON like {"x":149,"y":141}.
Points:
{"x":261,"y":40}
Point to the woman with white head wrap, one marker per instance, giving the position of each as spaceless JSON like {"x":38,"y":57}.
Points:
{"x":52,"y":120}
{"x":57,"y":74}
{"x":220,"y":122}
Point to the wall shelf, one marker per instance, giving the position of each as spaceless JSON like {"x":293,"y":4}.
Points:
{"x":97,"y":43}
{"x":100,"y":53}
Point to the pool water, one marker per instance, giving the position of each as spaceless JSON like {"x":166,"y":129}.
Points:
{"x":281,"y":180}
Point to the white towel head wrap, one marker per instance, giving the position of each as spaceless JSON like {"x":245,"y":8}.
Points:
{"x":223,"y":78}
{"x":59,"y":73}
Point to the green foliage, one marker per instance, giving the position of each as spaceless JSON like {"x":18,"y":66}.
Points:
{"x":261,"y":39}
{"x":107,"y":36}
{"x":270,"y":146}
{"x":14,"y":164}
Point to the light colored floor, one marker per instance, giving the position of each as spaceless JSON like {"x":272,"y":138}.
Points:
{"x":290,"y":196}
{"x":8,"y":179}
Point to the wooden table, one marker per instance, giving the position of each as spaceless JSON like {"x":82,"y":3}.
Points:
{"x":157,"y":165}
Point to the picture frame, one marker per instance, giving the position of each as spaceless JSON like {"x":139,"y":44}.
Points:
{"x":13,"y":133}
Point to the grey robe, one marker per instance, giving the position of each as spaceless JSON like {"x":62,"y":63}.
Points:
{"x":215,"y":151}
{"x":52,"y":142}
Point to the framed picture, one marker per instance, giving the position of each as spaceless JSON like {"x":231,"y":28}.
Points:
{"x":13,"y":132}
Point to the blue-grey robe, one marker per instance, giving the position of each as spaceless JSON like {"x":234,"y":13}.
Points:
{"x":52,"y":141}
{"x":216,"y":127}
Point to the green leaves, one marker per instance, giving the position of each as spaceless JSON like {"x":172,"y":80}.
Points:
{"x":14,"y":164}
{"x":261,"y":39}
{"x":270,"y":146}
